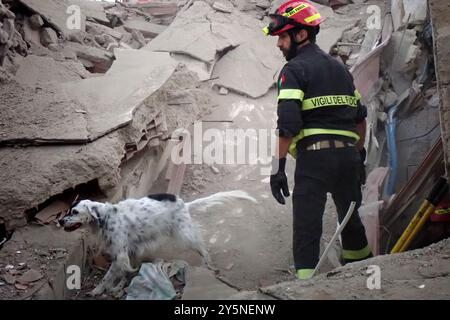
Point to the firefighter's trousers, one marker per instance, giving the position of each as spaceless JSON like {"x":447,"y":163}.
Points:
{"x":317,"y":172}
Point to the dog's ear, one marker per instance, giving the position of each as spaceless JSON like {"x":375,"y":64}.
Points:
{"x":93,"y":210}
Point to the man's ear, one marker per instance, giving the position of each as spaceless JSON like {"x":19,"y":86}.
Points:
{"x":301,"y":35}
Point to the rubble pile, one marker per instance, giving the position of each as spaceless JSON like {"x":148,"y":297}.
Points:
{"x":98,"y":102}
{"x":85,"y":105}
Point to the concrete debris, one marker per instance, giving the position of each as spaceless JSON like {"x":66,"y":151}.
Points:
{"x":263,"y":4}
{"x":401,"y":54}
{"x":102,"y":160}
{"x":223,"y":91}
{"x":36,"y":21}
{"x":29,"y":276}
{"x":149,"y":30}
{"x":101,"y":59}
{"x":202,"y":69}
{"x":54,"y":13}
{"x":408,"y":12}
{"x":243,"y":70}
{"x":98,"y":29}
{"x":40,"y":71}
{"x":401,"y":272}
{"x":7,"y":32}
{"x":204,"y":34}
{"x":193,"y":33}
{"x":223,"y":7}
{"x":9,"y":279}
{"x":48,"y":36}
{"x":31,"y":35}
{"x":93,"y":10}
{"x":110,"y":100}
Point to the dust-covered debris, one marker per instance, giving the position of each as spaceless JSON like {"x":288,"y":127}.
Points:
{"x":402,"y":275}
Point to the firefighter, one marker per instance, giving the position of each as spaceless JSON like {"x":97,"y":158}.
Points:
{"x":321,"y":123}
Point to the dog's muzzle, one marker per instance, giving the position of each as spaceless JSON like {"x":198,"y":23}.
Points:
{"x":69,"y":226}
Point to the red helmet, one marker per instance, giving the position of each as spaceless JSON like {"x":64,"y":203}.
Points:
{"x":293,"y":14}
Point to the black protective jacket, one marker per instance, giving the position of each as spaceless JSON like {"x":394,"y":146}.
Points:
{"x":317,"y":99}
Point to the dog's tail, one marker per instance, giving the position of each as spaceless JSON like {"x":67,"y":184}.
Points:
{"x":219,"y":198}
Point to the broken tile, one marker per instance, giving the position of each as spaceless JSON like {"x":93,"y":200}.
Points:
{"x":52,"y":211}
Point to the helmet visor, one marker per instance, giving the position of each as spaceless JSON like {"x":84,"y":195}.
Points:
{"x":278,"y":22}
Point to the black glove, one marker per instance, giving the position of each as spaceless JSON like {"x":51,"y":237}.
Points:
{"x":362,"y":154}
{"x":278,"y":182}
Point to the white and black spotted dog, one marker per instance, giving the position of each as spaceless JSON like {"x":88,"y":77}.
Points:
{"x":135,"y":228}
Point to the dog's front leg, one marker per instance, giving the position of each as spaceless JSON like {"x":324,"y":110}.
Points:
{"x":107,"y":280}
{"x":118,"y":291}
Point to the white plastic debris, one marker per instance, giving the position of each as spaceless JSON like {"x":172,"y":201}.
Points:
{"x":9,"y":267}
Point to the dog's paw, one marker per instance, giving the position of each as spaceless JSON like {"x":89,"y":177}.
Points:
{"x":117,"y":293}
{"x":96,"y":292}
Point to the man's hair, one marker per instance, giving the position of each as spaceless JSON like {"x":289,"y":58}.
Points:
{"x":312,"y":32}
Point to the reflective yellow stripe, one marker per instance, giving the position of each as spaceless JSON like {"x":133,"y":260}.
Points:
{"x":313,"y":18}
{"x":357,"y":95}
{"x":327,"y":101}
{"x":442,"y":211}
{"x":296,"y":10}
{"x":266,"y":31}
{"x":296,"y":94}
{"x":356,"y":254}
{"x":304,"y":274}
{"x":311,"y":132}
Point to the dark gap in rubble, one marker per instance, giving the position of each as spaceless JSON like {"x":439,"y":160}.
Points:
{"x":4,"y":235}
{"x":88,"y":190}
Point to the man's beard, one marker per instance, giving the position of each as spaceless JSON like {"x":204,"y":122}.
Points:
{"x":285,"y":52}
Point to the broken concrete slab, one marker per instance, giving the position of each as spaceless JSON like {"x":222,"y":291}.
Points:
{"x":223,"y":7}
{"x":401,"y":54}
{"x":52,"y":112}
{"x":92,"y":9}
{"x":201,"y":284}
{"x":408,"y":12}
{"x":243,"y":71}
{"x":204,"y":34}
{"x":199,"y":32}
{"x":42,"y":71}
{"x":101,"y":59}
{"x":398,"y":12}
{"x":416,"y":11}
{"x":35,"y":174}
{"x":149,"y":30}
{"x":98,"y":29}
{"x":110,"y":100}
{"x":54,"y":12}
{"x":157,"y":9}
